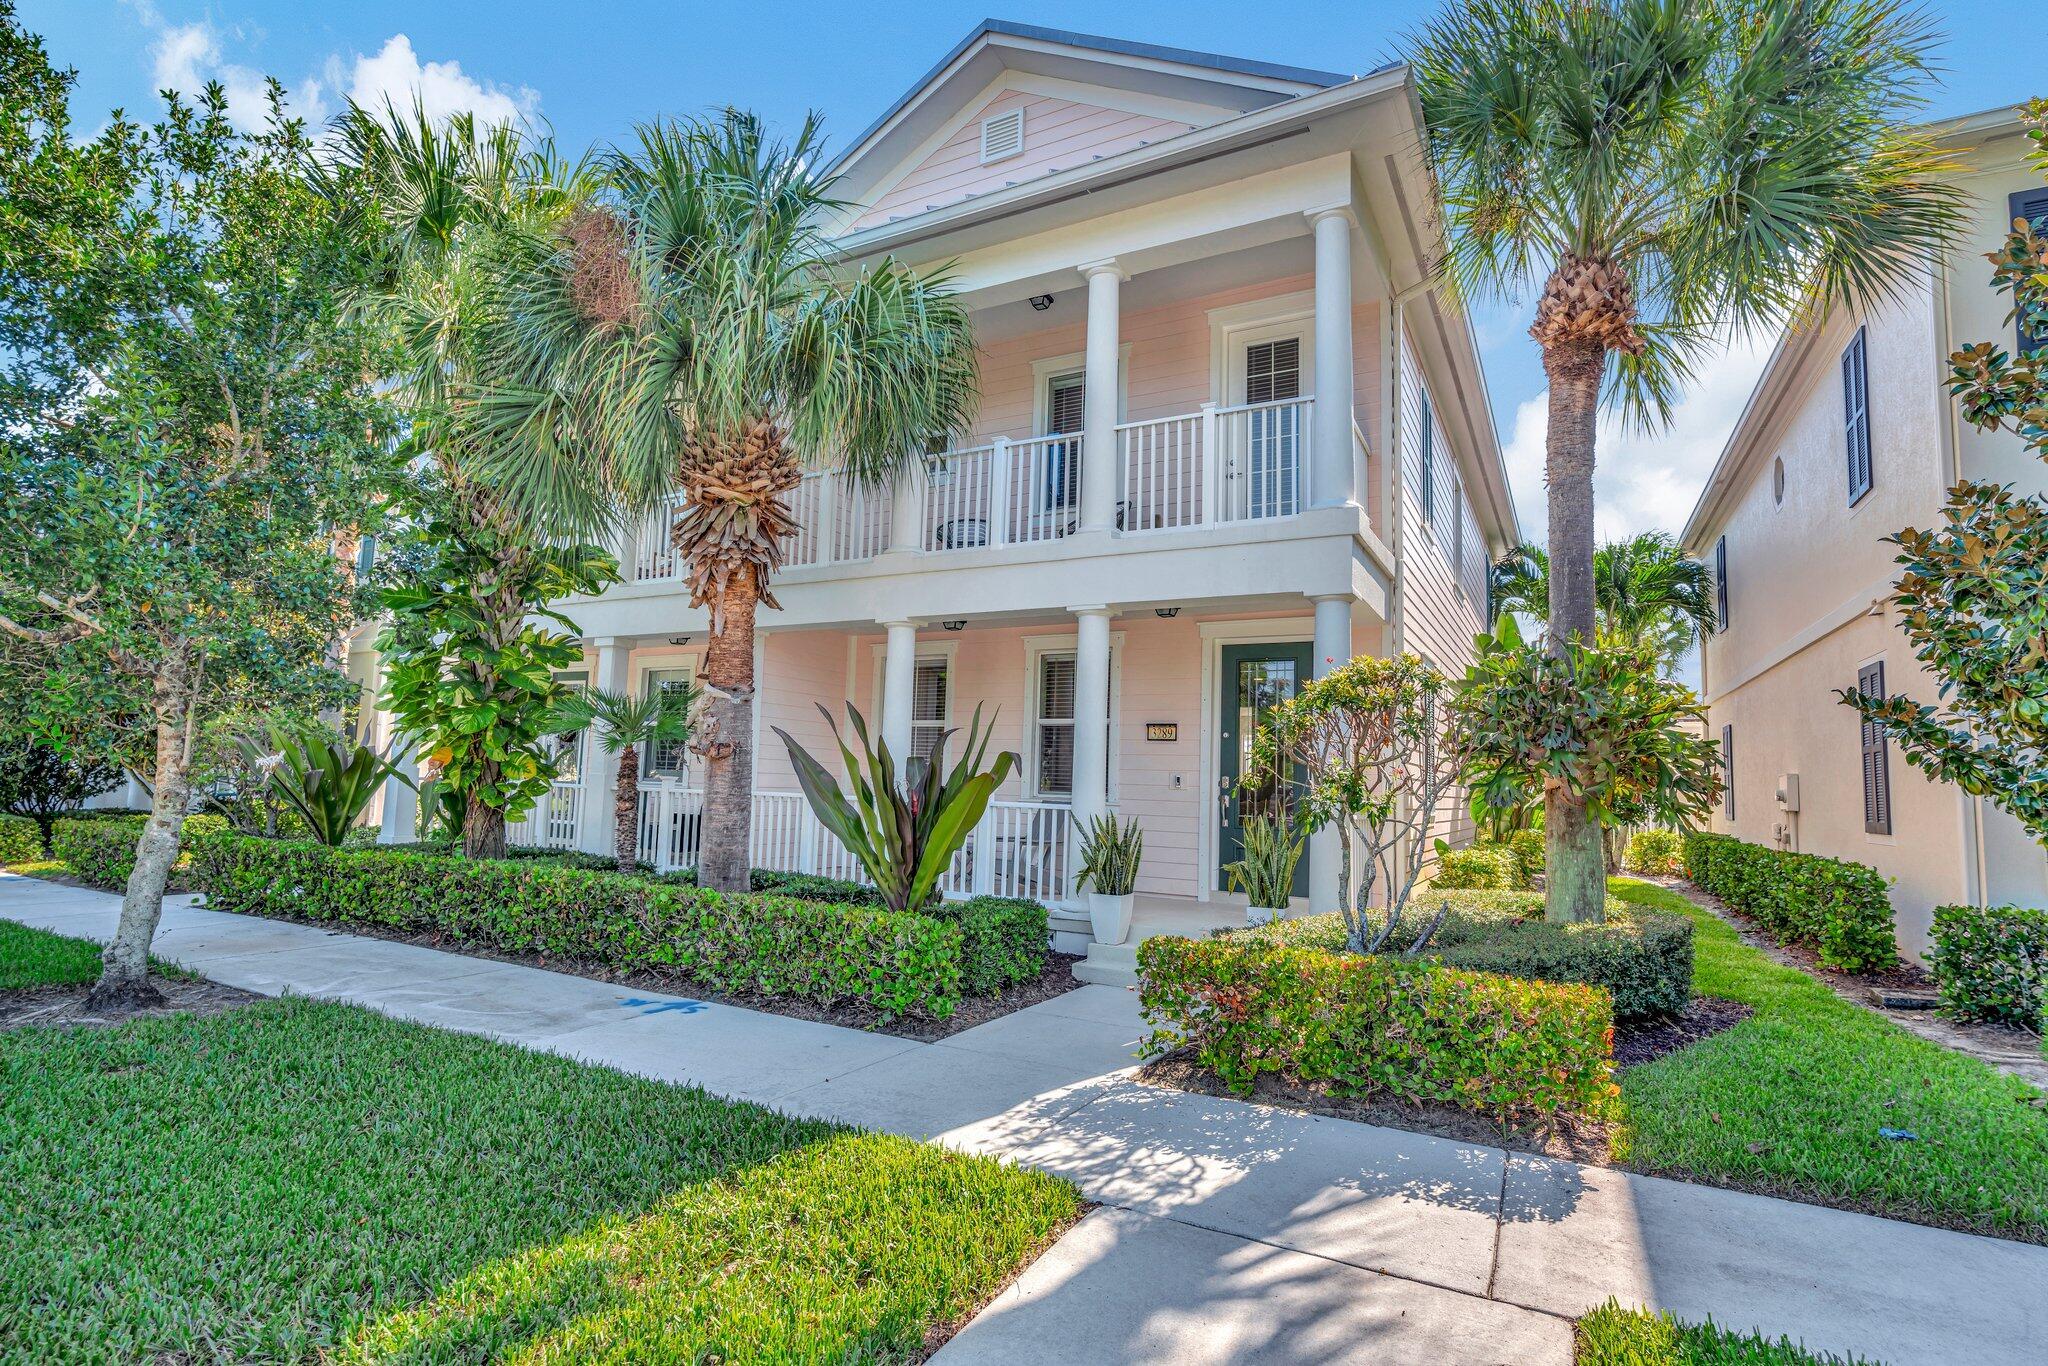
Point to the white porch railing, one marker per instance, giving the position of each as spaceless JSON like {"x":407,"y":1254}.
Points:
{"x":1020,"y":849}
{"x":1247,"y":462}
{"x":554,"y":822}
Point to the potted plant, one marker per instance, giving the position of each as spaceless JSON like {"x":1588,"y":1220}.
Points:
{"x":1110,"y":854}
{"x":1266,"y":872}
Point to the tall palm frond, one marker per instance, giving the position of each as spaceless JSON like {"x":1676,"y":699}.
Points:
{"x":1647,"y":591}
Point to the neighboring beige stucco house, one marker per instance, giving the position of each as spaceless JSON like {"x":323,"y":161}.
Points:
{"x":1794,"y":518}
{"x":1229,"y":434}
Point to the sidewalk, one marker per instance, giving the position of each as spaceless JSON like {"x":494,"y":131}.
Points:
{"x":1229,"y":1232}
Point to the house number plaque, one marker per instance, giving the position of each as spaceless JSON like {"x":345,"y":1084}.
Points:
{"x":1162,"y":730}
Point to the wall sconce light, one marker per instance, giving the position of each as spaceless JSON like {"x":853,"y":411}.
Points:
{"x":1168,"y":613}
{"x":959,"y":624}
{"x":679,"y":640}
{"x":1041,"y":302}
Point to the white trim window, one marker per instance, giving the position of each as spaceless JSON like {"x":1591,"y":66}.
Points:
{"x":569,"y":750}
{"x":669,"y":758}
{"x":931,"y":705}
{"x":1052,"y":726}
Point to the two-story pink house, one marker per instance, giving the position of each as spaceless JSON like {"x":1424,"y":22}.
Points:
{"x":1229,"y":433}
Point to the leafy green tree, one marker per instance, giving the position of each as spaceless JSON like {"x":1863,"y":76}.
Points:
{"x":1602,"y":723}
{"x":451,"y":211}
{"x":1647,"y":593}
{"x":1667,"y":171}
{"x":42,"y":782}
{"x":698,"y":333}
{"x":1973,"y":596}
{"x":178,"y":549}
{"x":662,"y":716}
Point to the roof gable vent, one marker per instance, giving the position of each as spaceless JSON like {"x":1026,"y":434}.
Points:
{"x":1002,"y":136}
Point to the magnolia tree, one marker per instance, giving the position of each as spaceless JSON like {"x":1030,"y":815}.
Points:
{"x":1375,"y":754}
{"x":1600,"y":724}
{"x":194,"y":437}
{"x":1973,"y":598}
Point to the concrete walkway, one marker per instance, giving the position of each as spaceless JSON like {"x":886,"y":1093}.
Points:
{"x":1228,"y":1232}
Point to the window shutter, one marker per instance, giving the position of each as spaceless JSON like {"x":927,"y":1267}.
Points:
{"x":1728,"y":772}
{"x":1428,"y":461}
{"x":1002,"y":136}
{"x":1877,"y":776}
{"x":1856,"y":414}
{"x":1272,"y":371}
{"x":2031,"y":205}
{"x":1721,"y":584}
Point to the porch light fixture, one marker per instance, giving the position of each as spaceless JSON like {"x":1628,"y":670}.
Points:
{"x":1041,"y":302}
{"x":679,"y":640}
{"x":1168,"y":613}
{"x":955,"y":625}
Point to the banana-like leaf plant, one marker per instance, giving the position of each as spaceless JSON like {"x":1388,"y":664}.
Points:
{"x":905,"y":836}
{"x":328,"y":780}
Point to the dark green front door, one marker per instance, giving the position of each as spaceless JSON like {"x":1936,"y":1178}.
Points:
{"x":1256,"y":678}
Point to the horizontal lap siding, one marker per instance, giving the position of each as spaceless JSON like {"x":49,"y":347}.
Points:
{"x":1058,"y":135}
{"x":799,"y":671}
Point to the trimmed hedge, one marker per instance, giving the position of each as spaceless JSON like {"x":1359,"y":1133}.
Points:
{"x":1003,"y":940}
{"x":1991,"y":963}
{"x":1660,"y":852}
{"x":21,"y":839}
{"x":771,"y":945}
{"x":1642,"y":958}
{"x":1485,"y":867}
{"x":1412,"y":1030}
{"x":1841,"y":910}
{"x":100,"y":850}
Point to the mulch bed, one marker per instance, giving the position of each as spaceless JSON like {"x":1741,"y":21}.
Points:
{"x":1572,"y":1138}
{"x":65,"y":1005}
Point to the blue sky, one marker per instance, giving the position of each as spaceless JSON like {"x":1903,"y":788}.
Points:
{"x":591,"y":69}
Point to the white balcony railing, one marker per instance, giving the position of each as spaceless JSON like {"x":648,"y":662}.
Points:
{"x":1247,"y":462}
{"x":1021,"y":849}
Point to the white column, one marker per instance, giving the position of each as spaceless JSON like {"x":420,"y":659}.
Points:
{"x":1091,"y":713}
{"x":600,"y":766}
{"x":1332,"y":648}
{"x":906,"y":507}
{"x":1331,"y":473}
{"x":1099,"y":464}
{"x":899,"y":684}
{"x":401,"y":803}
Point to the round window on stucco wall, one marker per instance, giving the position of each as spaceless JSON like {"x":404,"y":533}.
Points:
{"x":1778,"y":480}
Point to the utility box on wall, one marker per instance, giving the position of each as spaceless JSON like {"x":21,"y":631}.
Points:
{"x":1788,"y":792}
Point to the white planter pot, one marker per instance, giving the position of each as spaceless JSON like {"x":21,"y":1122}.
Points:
{"x":1255,"y":916}
{"x":1110,"y":917}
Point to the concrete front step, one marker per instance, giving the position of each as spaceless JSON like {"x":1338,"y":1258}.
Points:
{"x":1110,"y":965}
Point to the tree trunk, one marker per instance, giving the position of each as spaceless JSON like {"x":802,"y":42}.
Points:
{"x":483,"y":827}
{"x":626,"y":809}
{"x":1575,"y":887}
{"x":725,"y":740}
{"x":124,"y":983}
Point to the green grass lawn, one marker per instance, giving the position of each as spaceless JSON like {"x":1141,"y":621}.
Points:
{"x":1613,"y":1336}
{"x":37,"y":958}
{"x":296,"y":1178}
{"x":1790,"y":1101}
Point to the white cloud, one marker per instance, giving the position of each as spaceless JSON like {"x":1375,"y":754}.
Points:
{"x":188,"y":56}
{"x":1643,"y":481}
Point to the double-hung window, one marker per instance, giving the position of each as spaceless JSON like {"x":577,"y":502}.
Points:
{"x":930,"y":706}
{"x":667,"y":758}
{"x":1066,"y":399}
{"x":1053,"y":726}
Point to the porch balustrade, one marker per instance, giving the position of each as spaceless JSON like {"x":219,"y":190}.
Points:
{"x":1218,"y":466}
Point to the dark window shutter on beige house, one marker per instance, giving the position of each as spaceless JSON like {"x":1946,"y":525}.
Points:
{"x":1856,"y":414}
{"x":1728,"y":772}
{"x":1877,"y":776}
{"x":2031,"y":205}
{"x":1721,"y":584}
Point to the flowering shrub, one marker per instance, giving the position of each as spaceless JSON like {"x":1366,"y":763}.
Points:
{"x":1991,"y":963}
{"x":1841,"y":910}
{"x":1407,"y":1029}
{"x":1659,"y":852}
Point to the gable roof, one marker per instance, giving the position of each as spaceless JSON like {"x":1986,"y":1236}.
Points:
{"x":1232,"y":84}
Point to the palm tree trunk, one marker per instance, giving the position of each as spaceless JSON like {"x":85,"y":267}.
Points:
{"x":1575,"y":883}
{"x":626,"y":810}
{"x":124,"y":976}
{"x":725,"y":738}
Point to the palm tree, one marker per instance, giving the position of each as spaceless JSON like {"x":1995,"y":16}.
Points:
{"x":445,"y":205}
{"x":1669,"y":171}
{"x":665,"y":716}
{"x":693,"y":331}
{"x":1647,"y":592}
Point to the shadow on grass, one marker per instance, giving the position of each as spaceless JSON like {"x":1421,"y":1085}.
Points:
{"x":297,"y":1178}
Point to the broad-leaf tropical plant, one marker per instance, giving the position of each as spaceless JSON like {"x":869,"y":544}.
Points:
{"x":1647,"y":592}
{"x":661,"y":716}
{"x":1665,"y":174}
{"x":694,"y":333}
{"x":904,"y":835}
{"x":329,"y":780}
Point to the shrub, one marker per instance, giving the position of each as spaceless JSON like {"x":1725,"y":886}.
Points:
{"x":1991,"y":963}
{"x":21,"y":839}
{"x":1488,"y":867}
{"x":777,"y":946}
{"x":100,"y":850}
{"x":1528,"y":847}
{"x":1643,"y":958}
{"x":1654,"y":851}
{"x":1003,"y":941}
{"x":1412,"y":1030}
{"x":1840,"y":910}
{"x":811,"y":887}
